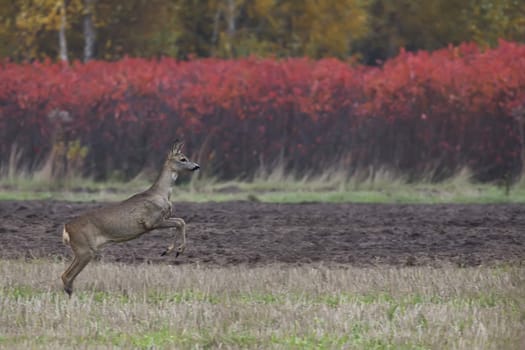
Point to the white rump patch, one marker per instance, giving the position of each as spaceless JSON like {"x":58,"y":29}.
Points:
{"x":65,"y":236}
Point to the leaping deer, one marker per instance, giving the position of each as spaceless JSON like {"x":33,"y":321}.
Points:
{"x":127,"y":220}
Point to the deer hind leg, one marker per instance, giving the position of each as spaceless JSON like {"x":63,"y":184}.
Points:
{"x":79,"y":262}
{"x":180,"y":226}
{"x":68,"y":286}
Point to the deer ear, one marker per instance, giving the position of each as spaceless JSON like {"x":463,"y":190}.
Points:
{"x":177,"y":146}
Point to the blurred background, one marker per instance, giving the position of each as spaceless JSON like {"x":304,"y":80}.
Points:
{"x":421,"y":91}
{"x":369,"y":31}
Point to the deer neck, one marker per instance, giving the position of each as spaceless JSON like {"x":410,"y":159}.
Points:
{"x":164,"y":182}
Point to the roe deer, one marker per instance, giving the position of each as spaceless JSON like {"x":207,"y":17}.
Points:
{"x":127,"y":220}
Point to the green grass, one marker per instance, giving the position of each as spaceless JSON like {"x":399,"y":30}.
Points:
{"x":334,"y":300}
{"x":406,"y":193}
{"x":277,"y":307}
{"x":25,"y":187}
{"x":332,"y":187}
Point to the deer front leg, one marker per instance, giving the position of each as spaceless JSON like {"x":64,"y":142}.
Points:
{"x":180,"y":225}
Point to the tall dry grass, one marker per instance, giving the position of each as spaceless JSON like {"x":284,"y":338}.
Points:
{"x":278,"y":307}
{"x":274,"y":183}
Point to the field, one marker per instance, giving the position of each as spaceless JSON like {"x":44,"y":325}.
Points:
{"x":339,"y":205}
{"x":259,"y":275}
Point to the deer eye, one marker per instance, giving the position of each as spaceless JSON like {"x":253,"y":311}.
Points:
{"x":183,"y":160}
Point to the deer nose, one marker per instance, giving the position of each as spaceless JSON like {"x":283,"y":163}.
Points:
{"x":196,"y":167}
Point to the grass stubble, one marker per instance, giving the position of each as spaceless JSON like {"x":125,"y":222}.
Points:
{"x":277,"y":307}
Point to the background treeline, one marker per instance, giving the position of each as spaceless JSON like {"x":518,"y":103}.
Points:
{"x":420,"y":114}
{"x":368,"y":30}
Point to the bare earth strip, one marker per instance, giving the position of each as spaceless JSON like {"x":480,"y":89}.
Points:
{"x":257,"y":234}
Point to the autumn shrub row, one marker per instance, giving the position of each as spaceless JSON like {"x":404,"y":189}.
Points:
{"x":422,"y":114}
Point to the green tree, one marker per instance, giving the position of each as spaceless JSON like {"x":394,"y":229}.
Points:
{"x":135,"y":27}
{"x":491,"y":20}
{"x":288,"y":28}
{"x":433,"y":24}
{"x":372,"y":29}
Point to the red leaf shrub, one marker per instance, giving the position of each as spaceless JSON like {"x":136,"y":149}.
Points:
{"x":420,"y":113}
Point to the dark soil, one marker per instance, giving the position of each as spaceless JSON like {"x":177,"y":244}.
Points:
{"x":257,"y":234}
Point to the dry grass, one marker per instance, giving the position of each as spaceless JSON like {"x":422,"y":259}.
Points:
{"x":277,"y":185}
{"x":160,"y":306}
{"x":337,"y":185}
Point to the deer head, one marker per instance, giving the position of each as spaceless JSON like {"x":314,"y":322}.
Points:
{"x":178,"y":161}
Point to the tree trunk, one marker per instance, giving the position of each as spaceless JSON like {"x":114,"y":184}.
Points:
{"x":89,"y":30}
{"x":231,"y":14}
{"x":215,"y":34}
{"x":62,"y":41}
{"x":231,"y":17}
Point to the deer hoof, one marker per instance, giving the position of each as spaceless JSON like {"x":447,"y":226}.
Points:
{"x":68,"y":290}
{"x":180,"y":250}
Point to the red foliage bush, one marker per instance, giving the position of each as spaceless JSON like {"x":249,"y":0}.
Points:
{"x":421,"y":113}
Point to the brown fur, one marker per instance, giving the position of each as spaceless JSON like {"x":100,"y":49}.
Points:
{"x":127,"y":220}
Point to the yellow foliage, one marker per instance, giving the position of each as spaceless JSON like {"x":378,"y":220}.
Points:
{"x":34,"y":18}
{"x":233,"y":28}
{"x":315,"y":28}
{"x":329,"y":26}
